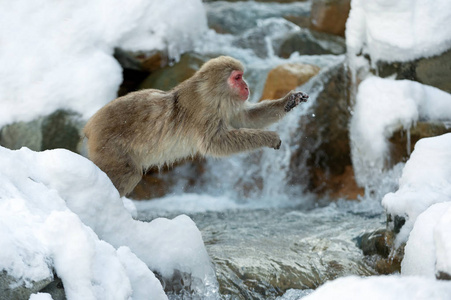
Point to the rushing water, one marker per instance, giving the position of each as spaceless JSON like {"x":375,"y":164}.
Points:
{"x":264,"y":236}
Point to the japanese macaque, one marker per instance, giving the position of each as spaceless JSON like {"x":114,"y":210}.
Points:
{"x":207,"y":114}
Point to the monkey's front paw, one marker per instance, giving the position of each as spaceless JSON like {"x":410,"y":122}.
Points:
{"x":274,"y":140}
{"x":294,"y":98}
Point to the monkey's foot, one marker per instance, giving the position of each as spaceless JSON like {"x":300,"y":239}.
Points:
{"x":294,"y":99}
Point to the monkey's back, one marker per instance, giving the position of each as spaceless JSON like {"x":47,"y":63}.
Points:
{"x":147,"y":125}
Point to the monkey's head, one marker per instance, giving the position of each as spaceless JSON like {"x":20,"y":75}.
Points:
{"x":224,"y":77}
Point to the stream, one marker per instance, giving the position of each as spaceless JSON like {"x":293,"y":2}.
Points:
{"x":270,"y":240}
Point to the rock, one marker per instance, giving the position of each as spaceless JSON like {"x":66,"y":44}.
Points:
{"x":136,"y":66}
{"x":267,"y":37}
{"x":323,"y":156}
{"x":403,"y":142}
{"x":287,"y":77}
{"x":157,"y":183}
{"x":443,"y":276}
{"x":378,"y":247}
{"x":434,"y":71}
{"x":151,"y":186}
{"x":11,"y":289}
{"x":330,"y":16}
{"x":308,"y":42}
{"x":169,"y":76}
{"x":22,"y":134}
{"x":61,"y":129}
{"x":236,"y":18}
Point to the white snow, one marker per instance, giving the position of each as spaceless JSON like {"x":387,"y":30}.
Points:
{"x":428,"y":249}
{"x":59,"y":211}
{"x":425,"y":180}
{"x":399,"y":30}
{"x":382,"y":107}
{"x":382,"y":287}
{"x":59,"y":54}
{"x":41,"y":296}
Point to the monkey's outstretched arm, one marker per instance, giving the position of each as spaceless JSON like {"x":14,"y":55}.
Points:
{"x":240,"y":140}
{"x":267,"y":112}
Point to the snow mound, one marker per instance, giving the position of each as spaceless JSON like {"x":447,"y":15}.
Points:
{"x":59,"y":55}
{"x":400,"y":30}
{"x":382,"y":107}
{"x":59,"y":212}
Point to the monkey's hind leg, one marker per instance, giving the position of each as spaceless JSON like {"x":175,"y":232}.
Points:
{"x":121,"y":169}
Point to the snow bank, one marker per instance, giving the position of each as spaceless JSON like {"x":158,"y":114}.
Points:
{"x":400,"y":30}
{"x":59,"y":211}
{"x":58,"y":54}
{"x":425,"y":180}
{"x":428,"y":250}
{"x":382,"y":107}
{"x":382,"y":287}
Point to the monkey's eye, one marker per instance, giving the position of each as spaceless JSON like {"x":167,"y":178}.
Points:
{"x":238,"y":77}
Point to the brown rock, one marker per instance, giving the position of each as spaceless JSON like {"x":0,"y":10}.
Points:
{"x":434,"y":71}
{"x":401,"y":148}
{"x":287,"y":77}
{"x":323,"y":156}
{"x":338,"y":186}
{"x":169,"y":76}
{"x":330,"y":16}
{"x":159,"y":182}
{"x":379,"y":248}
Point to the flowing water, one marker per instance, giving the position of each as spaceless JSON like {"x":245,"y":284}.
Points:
{"x":268,"y":238}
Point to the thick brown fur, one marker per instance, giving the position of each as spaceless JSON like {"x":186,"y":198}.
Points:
{"x":200,"y":116}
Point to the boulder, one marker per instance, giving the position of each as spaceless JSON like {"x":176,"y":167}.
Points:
{"x":434,"y":71}
{"x":287,"y":77}
{"x":156,"y":183}
{"x":168,"y":77}
{"x":308,"y":42}
{"x":61,"y":129}
{"x":324,"y":147}
{"x":402,"y":142}
{"x":330,"y":16}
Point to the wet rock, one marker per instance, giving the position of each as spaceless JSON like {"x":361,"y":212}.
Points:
{"x":55,"y":289}
{"x":260,"y":254}
{"x":403,"y":141}
{"x":11,"y":289}
{"x":378,"y":246}
{"x":169,"y":76}
{"x":434,"y":71}
{"x":266,"y":37}
{"x":308,"y":42}
{"x":330,"y":16}
{"x":323,"y":156}
{"x":185,"y":175}
{"x":443,"y":276}
{"x":22,"y":134}
{"x":136,"y":66}
{"x":61,"y":129}
{"x":238,"y":17}
{"x":287,"y":77}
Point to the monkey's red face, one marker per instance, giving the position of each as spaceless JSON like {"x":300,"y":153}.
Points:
{"x":238,"y":85}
